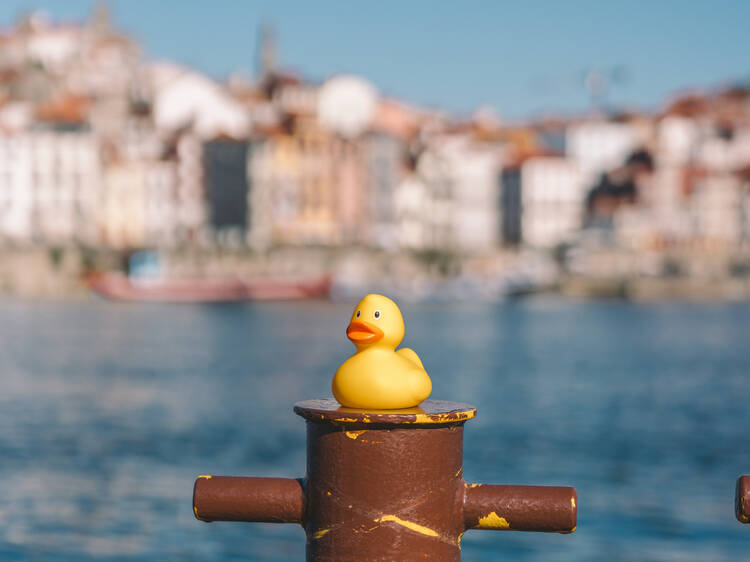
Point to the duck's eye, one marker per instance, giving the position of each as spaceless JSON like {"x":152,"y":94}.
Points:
{"x":377,"y":314}
{"x":359,"y":313}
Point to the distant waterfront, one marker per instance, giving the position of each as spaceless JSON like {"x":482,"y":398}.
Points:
{"x":108,"y":412}
{"x":59,"y":273}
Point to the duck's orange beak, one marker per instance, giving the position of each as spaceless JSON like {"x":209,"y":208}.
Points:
{"x":363,"y":332}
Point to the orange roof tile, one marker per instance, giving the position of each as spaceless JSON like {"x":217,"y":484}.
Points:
{"x":66,"y":109}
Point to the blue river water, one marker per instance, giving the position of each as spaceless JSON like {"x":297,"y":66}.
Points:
{"x":109,"y":411}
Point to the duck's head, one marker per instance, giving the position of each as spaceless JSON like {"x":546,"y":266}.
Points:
{"x":376,"y":321}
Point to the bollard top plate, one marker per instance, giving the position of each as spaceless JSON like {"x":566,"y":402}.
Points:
{"x":429,"y":412}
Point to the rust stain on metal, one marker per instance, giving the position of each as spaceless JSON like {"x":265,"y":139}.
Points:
{"x":416,"y":527}
{"x":493,"y":521}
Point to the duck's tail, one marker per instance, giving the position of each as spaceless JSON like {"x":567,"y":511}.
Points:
{"x":411,"y":355}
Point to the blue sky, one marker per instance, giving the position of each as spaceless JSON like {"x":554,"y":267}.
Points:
{"x":523,"y":58}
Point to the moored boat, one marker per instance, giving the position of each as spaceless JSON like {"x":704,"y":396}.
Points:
{"x":116,"y":286}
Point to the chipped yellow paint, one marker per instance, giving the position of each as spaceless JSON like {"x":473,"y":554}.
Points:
{"x":444,"y":417}
{"x":458,"y":472}
{"x":328,"y":493}
{"x":573,"y":503}
{"x":355,"y":434}
{"x":418,"y":417}
{"x":573,"y":530}
{"x":195,"y":510}
{"x":458,"y":541}
{"x":363,"y":530}
{"x":416,"y":527}
{"x":493,"y":521}
{"x":206,"y":476}
{"x":474,"y":485}
{"x":320,"y":533}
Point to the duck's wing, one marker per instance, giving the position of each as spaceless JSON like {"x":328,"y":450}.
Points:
{"x":411,"y":355}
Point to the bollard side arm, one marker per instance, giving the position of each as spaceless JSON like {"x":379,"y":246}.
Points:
{"x":742,"y":499}
{"x":551,"y":509}
{"x":258,"y":500}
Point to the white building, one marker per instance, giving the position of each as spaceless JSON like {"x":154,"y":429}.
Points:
{"x":161,"y":217}
{"x":186,"y":99}
{"x":49,"y":184}
{"x":190,"y":207}
{"x":474,"y":171}
{"x":598,"y":146}
{"x":716,"y":211}
{"x":452,"y":203}
{"x":553,"y":193}
{"x":677,"y":139}
{"x":413,"y":226}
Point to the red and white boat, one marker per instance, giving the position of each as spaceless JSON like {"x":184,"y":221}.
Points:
{"x":120,"y":287}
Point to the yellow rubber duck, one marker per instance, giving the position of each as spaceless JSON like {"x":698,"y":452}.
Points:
{"x":378,"y":376}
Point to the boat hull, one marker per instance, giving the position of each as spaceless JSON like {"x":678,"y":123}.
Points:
{"x":121,"y":288}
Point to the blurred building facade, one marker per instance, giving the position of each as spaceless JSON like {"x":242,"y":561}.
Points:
{"x":103,"y":148}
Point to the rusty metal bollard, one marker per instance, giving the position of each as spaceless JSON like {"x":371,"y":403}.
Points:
{"x":742,"y":499}
{"x":385,"y":485}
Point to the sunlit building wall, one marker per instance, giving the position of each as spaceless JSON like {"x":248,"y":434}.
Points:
{"x":716,"y":212}
{"x":162,"y":226}
{"x":122,"y":213}
{"x":422,"y":202}
{"x":450,"y":202}
{"x":190,"y":202}
{"x":351,"y":210}
{"x":16,"y":195}
{"x":50,"y":182}
{"x":307,"y":188}
{"x":413,"y":203}
{"x":138,"y":205}
{"x":65,"y":180}
{"x":597,"y":146}
{"x":472,"y":211}
{"x":260,"y":199}
{"x":553,"y":196}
